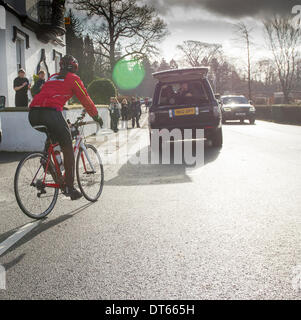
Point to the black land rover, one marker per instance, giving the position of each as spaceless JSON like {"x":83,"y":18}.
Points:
{"x":184,"y":99}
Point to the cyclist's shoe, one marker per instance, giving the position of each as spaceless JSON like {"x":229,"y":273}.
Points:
{"x":72,"y":193}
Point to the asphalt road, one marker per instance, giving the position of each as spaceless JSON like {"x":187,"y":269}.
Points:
{"x":230,"y":229}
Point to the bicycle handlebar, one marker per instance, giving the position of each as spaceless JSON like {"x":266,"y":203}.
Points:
{"x":79,"y":122}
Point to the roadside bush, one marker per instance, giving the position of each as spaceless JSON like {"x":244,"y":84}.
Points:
{"x":101,"y":90}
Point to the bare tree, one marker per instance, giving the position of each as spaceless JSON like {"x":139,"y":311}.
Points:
{"x":244,"y":33}
{"x":283,"y":39}
{"x":197,"y":53}
{"x":137,"y":28}
{"x":265,"y":72}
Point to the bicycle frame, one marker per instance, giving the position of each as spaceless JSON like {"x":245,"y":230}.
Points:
{"x":79,"y":144}
{"x":51,"y":154}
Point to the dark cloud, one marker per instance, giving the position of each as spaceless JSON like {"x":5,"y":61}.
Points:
{"x":231,"y":8}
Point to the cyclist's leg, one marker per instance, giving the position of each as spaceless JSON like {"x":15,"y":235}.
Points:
{"x":59,"y":128}
{"x":35,"y":118}
{"x":59,"y":132}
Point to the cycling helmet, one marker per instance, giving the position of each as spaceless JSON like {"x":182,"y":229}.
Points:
{"x":69,"y":63}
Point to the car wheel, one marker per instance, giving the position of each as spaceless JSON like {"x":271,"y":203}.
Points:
{"x":252,"y":121}
{"x":217,"y":138}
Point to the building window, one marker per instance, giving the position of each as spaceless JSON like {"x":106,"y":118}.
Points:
{"x":22,"y":41}
{"x":57,"y":56}
{"x":20,"y":53}
{"x":57,"y":64}
{"x":19,"y":34}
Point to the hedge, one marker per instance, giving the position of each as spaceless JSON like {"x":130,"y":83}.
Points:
{"x":101,"y":90}
{"x":290,"y":114}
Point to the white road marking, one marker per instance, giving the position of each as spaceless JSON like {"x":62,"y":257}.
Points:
{"x":10,"y":241}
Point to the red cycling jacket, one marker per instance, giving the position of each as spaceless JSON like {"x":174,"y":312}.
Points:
{"x":56,"y":92}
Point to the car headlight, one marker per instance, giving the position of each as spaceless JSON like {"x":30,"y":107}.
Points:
{"x":227,"y":109}
{"x":252,"y":109}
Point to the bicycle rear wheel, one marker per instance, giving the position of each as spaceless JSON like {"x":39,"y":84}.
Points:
{"x":33,"y":197}
{"x":89,"y":173}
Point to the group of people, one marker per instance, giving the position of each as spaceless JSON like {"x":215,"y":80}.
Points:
{"x":126,"y":111}
{"x":22,"y":86}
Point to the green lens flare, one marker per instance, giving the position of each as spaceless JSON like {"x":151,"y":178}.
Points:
{"x":128,"y":74}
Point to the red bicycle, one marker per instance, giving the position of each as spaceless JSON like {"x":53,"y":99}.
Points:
{"x":40,"y":176}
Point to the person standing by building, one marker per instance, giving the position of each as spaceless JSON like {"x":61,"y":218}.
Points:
{"x":135,"y":112}
{"x":114,"y":113}
{"x":124,"y":113}
{"x":39,"y":83}
{"x":21,"y":86}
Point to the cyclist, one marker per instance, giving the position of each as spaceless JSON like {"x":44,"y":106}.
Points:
{"x":46,"y":109}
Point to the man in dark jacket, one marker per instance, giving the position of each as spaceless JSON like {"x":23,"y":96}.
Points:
{"x":114,"y":110}
{"x":135,"y":112}
{"x":38,"y":84}
{"x":21,"y":86}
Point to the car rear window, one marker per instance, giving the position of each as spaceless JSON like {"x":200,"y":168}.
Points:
{"x":183,"y":93}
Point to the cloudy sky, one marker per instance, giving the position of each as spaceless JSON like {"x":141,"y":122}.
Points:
{"x":212,"y":21}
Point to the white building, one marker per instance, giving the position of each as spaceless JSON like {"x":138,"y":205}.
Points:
{"x":31,"y":37}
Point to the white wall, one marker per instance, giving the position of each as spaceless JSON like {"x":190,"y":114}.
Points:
{"x":8,"y":65}
{"x":18,"y":135}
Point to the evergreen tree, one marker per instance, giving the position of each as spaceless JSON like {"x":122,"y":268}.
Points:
{"x":163,"y":65}
{"x":74,"y":40}
{"x":89,"y":61}
{"x":155,"y":66}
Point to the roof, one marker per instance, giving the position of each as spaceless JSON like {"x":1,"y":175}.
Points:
{"x":18,"y":8}
{"x":232,"y":95}
{"x":181,"y":74}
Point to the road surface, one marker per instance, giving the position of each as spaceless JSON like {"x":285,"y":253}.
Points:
{"x":230,"y":229}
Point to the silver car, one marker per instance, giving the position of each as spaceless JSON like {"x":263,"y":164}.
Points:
{"x":237,"y":108}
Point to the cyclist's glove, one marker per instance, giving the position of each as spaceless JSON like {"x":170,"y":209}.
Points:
{"x":99,"y":120}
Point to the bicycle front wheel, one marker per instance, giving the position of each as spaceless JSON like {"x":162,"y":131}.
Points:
{"x":89,"y":172}
{"x":33,"y":197}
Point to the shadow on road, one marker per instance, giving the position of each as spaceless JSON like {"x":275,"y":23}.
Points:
{"x":42,"y":227}
{"x":13,"y":262}
{"x":8,"y":157}
{"x":145,"y":174}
